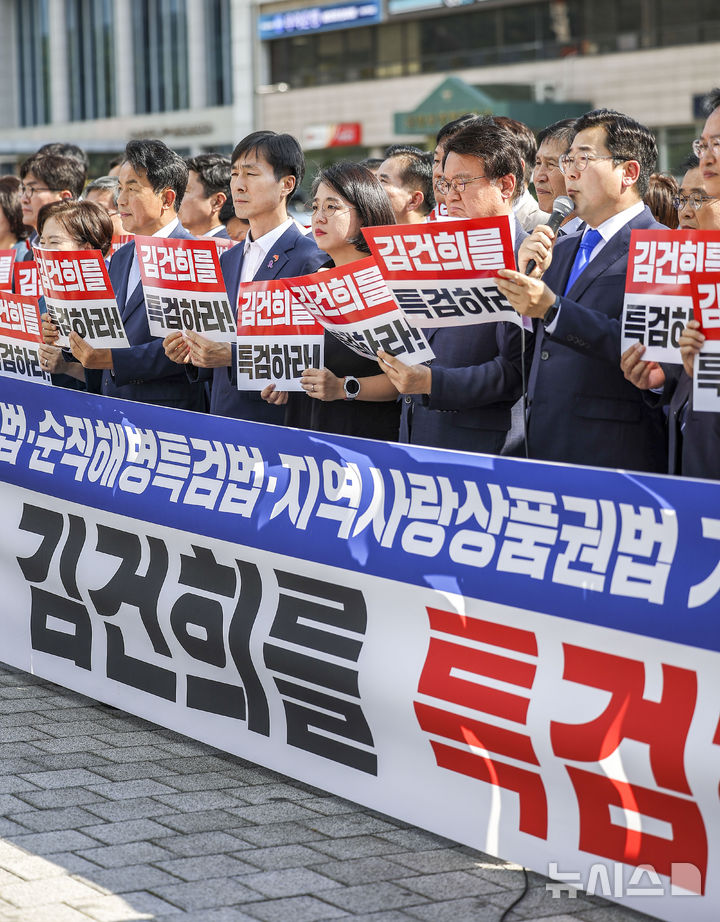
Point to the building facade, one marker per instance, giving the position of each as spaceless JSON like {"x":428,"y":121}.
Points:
{"x":347,"y":78}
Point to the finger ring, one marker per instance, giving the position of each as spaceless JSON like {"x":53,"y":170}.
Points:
{"x":313,"y":388}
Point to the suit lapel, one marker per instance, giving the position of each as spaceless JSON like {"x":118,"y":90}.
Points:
{"x":616,"y":248}
{"x":272,"y":264}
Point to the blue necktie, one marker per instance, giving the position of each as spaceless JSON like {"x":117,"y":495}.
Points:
{"x":582,"y":257}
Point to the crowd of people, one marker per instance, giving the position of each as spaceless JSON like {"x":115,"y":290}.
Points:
{"x":560,"y":391}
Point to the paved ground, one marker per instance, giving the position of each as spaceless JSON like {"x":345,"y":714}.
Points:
{"x":105,"y":817}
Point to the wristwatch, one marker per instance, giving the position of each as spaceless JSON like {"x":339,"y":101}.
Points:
{"x":551,"y":312}
{"x":351,"y":386}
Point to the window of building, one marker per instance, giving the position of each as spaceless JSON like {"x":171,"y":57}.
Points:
{"x":90,"y":58}
{"x":218,"y":52}
{"x":33,"y":48}
{"x":160,"y":55}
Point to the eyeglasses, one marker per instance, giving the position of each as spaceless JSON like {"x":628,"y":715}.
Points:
{"x":700,"y":148}
{"x":695,"y":200}
{"x":28,"y":191}
{"x":328,"y":210}
{"x":458,"y":185}
{"x":579,"y":162}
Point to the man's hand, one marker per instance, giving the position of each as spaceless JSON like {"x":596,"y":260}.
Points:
{"x":205,"y":353}
{"x":528,"y":295}
{"x":272,"y":395}
{"x":537,"y":246}
{"x":407,"y":379}
{"x":50,"y":332}
{"x":176,"y":348}
{"x":645,"y":375}
{"x":691,"y":342}
{"x":87,"y":355}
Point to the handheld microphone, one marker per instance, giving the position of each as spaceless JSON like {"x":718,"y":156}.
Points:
{"x":562,"y":207}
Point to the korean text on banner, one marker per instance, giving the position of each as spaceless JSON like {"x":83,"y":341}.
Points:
{"x":20,"y":336}
{"x":119,"y":240}
{"x":354,"y":303}
{"x":184,"y":287}
{"x":659,"y":287}
{"x":7,"y":258}
{"x":441,"y":274}
{"x":26,"y":280}
{"x":706,"y":370}
{"x":251,"y":586}
{"x":79,"y":297}
{"x":277,"y":337}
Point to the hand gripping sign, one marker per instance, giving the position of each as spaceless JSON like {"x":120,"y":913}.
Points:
{"x":441,"y":274}
{"x":20,"y":336}
{"x":277,"y":337}
{"x":79,"y":297}
{"x":659,"y":287}
{"x":356,"y":306}
{"x":184,"y":287}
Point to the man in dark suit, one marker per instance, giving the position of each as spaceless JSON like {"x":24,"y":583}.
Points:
{"x":267,"y":169}
{"x":208,"y":189}
{"x":693,"y":436}
{"x":151,"y":186}
{"x":581,"y":408}
{"x":463,"y":399}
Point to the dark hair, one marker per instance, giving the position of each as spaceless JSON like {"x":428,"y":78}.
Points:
{"x":415,"y":172}
{"x":85,"y":222}
{"x":213,"y":172}
{"x":562,"y":131}
{"x":371,"y":163}
{"x":57,"y":172}
{"x":11,"y":207}
{"x":494,"y":145}
{"x":227,"y":211}
{"x":712,"y":101}
{"x":691,"y":162}
{"x":358,"y":186}
{"x":450,"y":129}
{"x":163,"y":168}
{"x":525,"y":140}
{"x":662,"y":189}
{"x":58,"y":149}
{"x":626,"y":139}
{"x":281,"y":151}
{"x":116,"y":161}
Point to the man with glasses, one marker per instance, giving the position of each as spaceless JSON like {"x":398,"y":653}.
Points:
{"x":581,"y":408}
{"x":463,"y":399}
{"x":548,"y":178}
{"x":48,"y":178}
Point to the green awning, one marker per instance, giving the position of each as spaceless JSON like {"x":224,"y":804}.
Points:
{"x":454,"y":97}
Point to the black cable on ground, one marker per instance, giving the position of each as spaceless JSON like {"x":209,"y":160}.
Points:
{"x":522,"y":896}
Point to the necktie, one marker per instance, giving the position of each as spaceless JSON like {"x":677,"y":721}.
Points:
{"x":582,"y":257}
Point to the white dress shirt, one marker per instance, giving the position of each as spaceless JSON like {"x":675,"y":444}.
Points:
{"x":258,"y":251}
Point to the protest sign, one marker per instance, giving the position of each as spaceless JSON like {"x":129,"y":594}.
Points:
{"x":184,"y":287}
{"x":441,"y":274}
{"x":7,"y":258}
{"x":20,"y":336}
{"x":79,"y":297}
{"x":659,"y":287}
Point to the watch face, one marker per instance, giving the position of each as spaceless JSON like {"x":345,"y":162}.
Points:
{"x":352,"y":387}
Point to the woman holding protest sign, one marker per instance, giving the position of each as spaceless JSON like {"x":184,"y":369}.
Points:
{"x":350,"y":395}
{"x":69,"y":225}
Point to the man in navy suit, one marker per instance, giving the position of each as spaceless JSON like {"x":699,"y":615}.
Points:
{"x":693,"y":436}
{"x":151,"y":185}
{"x":463,"y":399}
{"x":267,"y":169}
{"x":208,"y":188}
{"x":581,"y":408}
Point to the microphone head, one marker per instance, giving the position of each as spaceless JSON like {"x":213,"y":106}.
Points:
{"x":564,"y":205}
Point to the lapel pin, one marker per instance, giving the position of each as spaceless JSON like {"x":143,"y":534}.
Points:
{"x":273,"y":260}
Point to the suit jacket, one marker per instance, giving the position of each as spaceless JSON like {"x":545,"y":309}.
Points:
{"x":693,"y":438}
{"x":143,"y":372}
{"x":297,"y":255}
{"x":528,"y":212}
{"x":222,"y":234}
{"x":582,"y":410}
{"x":476,"y":379}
